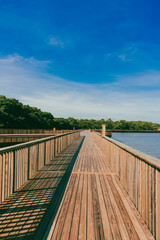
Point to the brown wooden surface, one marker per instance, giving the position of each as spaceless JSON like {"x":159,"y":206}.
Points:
{"x":95,"y":206}
{"x":33,"y":131}
{"x":21,"y":162}
{"x":138,"y":174}
{"x":75,"y":196}
{"x":26,"y":213}
{"x":20,"y":138}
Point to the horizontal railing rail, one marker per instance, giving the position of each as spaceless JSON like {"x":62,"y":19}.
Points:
{"x":26,"y":135}
{"x":21,"y":162}
{"x":20,"y":138}
{"x":23,"y":131}
{"x":139,"y":174}
{"x":33,"y":131}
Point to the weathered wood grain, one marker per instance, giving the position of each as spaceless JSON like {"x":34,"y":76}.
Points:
{"x":21,"y":162}
{"x":27,"y":212}
{"x":76,"y":194}
{"x":138,"y":174}
{"x":94,"y":206}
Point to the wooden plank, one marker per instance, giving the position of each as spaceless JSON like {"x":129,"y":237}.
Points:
{"x":9,"y":174}
{"x":132,"y":216}
{"x":70,"y":210}
{"x":147,"y":195}
{"x":157,"y":204}
{"x":124,"y":213}
{"x":153,"y":230}
{"x":99,"y":232}
{"x":1,"y":177}
{"x":104,"y":213}
{"x":90,"y":217}
{"x":62,"y":213}
{"x":141,"y":223}
{"x":74,"y":228}
{"x":6,"y":175}
{"x":50,"y":233}
{"x":117,"y":224}
{"x":82,"y":233}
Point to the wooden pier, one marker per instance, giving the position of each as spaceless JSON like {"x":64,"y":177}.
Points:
{"x":78,"y":195}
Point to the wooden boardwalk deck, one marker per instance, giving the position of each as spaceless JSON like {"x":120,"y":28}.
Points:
{"x":76,"y":196}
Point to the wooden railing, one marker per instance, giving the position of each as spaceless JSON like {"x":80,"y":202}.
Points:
{"x":21,"y":162}
{"x":20,"y":138}
{"x":139,"y":174}
{"x":23,"y":131}
{"x":33,"y":131}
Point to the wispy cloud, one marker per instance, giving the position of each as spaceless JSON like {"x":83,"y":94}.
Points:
{"x":55,"y":41}
{"x":149,"y":78}
{"x":123,"y":57}
{"x":18,"y":60}
{"x":27,"y":79}
{"x":127,"y":54}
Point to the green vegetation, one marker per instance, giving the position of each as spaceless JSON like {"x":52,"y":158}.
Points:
{"x":70,"y":123}
{"x":14,"y":114}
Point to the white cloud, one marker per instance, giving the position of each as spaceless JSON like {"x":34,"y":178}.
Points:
{"x":126,"y":54}
{"x":123,"y":57}
{"x":150,"y":79}
{"x":55,"y":41}
{"x":28,"y":81}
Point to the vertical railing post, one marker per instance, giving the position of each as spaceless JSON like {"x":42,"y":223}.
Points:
{"x":1,"y":174}
{"x":157,"y":204}
{"x":37,"y":156}
{"x":3,"y":178}
{"x":44,"y":153}
{"x":103,"y":132}
{"x":28,"y":175}
{"x":54,"y":147}
{"x":14,"y":174}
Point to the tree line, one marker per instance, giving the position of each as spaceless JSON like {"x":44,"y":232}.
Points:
{"x":15,"y":115}
{"x":70,"y":123}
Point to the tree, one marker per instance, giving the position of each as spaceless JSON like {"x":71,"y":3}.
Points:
{"x":14,"y":114}
{"x":109,"y":124}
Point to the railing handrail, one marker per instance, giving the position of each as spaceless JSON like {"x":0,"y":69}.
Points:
{"x":31,"y":143}
{"x":153,"y":161}
{"x":26,"y":135}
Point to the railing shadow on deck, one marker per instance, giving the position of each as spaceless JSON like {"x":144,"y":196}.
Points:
{"x":26,"y":214}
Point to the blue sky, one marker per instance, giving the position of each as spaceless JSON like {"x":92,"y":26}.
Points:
{"x":86,"y":59}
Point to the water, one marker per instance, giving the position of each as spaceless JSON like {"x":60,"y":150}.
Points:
{"x":145,"y":142}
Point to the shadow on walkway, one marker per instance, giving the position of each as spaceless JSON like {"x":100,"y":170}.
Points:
{"x":27,"y":213}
